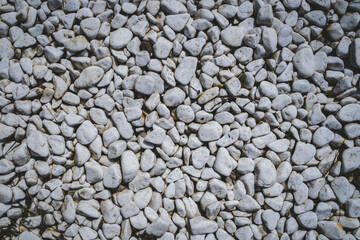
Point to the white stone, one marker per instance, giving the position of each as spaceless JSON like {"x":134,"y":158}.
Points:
{"x":186,"y":69}
{"x":129,"y":166}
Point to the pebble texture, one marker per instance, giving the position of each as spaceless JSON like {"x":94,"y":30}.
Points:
{"x":180,"y":119}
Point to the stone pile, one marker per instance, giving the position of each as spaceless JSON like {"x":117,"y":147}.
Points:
{"x":179,"y":119}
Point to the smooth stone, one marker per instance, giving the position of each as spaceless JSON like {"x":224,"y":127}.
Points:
{"x":331,"y":229}
{"x":112,"y":176}
{"x":38,"y":144}
{"x":68,"y":209}
{"x":265,"y":173}
{"x":303,"y":153}
{"x":89,"y":77}
{"x":86,"y":133}
{"x":210,"y":131}
{"x":224,"y":163}
{"x":185,"y":70}
{"x":76,"y":44}
{"x":349,"y":113}
{"x":232,"y":36}
{"x":350,"y":159}
{"x":6,"y":131}
{"x":200,"y":225}
{"x":304,"y":62}
{"x":129,"y":166}
{"x":120,"y":38}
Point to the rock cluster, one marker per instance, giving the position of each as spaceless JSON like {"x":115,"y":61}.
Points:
{"x":179,"y":119}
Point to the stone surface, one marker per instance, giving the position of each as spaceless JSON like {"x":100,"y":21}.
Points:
{"x":179,"y":119}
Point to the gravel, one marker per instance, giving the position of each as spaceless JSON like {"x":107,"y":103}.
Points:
{"x":179,"y":119}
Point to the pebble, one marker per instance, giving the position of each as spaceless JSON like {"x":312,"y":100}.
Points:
{"x":224,"y":163}
{"x":265,"y":173}
{"x":90,"y":27}
{"x":210,"y":131}
{"x":89,"y":77}
{"x":186,"y":69}
{"x":120,"y":38}
{"x":304,"y":62}
{"x":86,"y":133}
{"x":303,"y":153}
{"x":232,"y":36}
{"x":350,"y":159}
{"x":201,"y":225}
{"x":6,"y":194}
{"x":331,"y":229}
{"x":349,"y":113}
{"x":38,"y":144}
{"x":129,"y":165}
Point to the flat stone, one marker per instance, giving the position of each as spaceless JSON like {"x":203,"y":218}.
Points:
{"x":76,"y":44}
{"x":157,"y":228}
{"x":308,"y":220}
{"x":173,"y":7}
{"x":162,"y":47}
{"x":112,"y":176}
{"x":68,"y":209}
{"x":90,"y":27}
{"x":322,"y":136}
{"x":174,"y":97}
{"x":6,"y":194}
{"x":27,"y":236}
{"x":156,"y":136}
{"x":194,"y":46}
{"x":280,"y":145}
{"x":353,"y":207}
{"x":94,"y":172}
{"x":354,"y":53}
{"x":123,"y":126}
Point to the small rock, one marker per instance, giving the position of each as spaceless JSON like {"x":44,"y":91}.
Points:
{"x":86,"y":133}
{"x":210,"y":131}
{"x":303,"y":153}
{"x":38,"y":144}
{"x":120,"y":38}
{"x":304,"y":62}
{"x":89,"y":77}
{"x":186,"y":69}
{"x":350,"y":159}
{"x":224,"y":163}
{"x":201,"y":225}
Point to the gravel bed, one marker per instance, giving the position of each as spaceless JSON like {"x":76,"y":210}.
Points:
{"x":180,"y":119}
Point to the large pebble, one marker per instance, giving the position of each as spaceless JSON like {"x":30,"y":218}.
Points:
{"x":129,"y":166}
{"x":89,"y":77}
{"x":38,"y":144}
{"x":304,"y":62}
{"x":210,"y":131}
